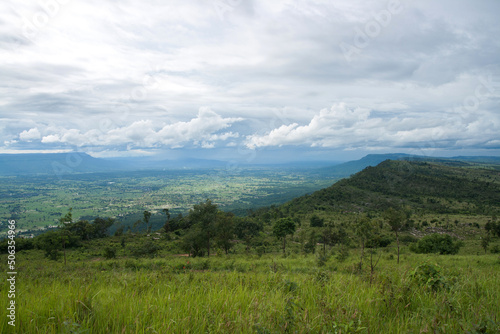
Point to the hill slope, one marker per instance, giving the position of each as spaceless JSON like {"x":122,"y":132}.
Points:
{"x":351,"y":167}
{"x":424,"y":186}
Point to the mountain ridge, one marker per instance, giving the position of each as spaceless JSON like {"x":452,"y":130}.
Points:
{"x":425,"y":186}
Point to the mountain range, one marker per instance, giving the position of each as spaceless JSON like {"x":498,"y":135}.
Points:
{"x":77,"y":162}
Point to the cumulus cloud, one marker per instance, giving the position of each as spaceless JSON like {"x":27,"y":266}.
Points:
{"x":342,"y":126}
{"x":30,"y":135}
{"x":200,"y":131}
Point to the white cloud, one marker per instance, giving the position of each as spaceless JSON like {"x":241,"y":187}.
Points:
{"x":146,"y":65}
{"x":30,"y":135}
{"x":345,"y":127}
{"x":202,"y":129}
{"x":51,"y":139}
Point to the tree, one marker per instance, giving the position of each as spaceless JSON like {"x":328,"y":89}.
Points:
{"x":204,"y":216}
{"x":67,"y":219}
{"x":246,"y":229}
{"x":364,"y":230}
{"x":194,"y":241}
{"x":50,"y":242}
{"x":166,"y":227}
{"x":310,"y":245}
{"x":147,"y":217}
{"x":396,"y":220}
{"x":283,"y":227}
{"x":315,"y":221}
{"x":485,"y":242}
{"x":100,"y":226}
{"x":224,"y":229}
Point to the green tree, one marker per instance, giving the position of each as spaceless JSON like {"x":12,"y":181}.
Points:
{"x":100,"y":227}
{"x":166,"y":227}
{"x":485,"y":242}
{"x":147,"y":217}
{"x":246,"y":229}
{"x":364,"y":229}
{"x":310,"y":245}
{"x":283,"y":227}
{"x":224,"y":229}
{"x":204,"y":216}
{"x":396,"y":220}
{"x":194,"y":241}
{"x":315,"y":221}
{"x":65,"y":233}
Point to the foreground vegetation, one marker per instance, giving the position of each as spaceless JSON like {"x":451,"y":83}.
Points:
{"x":252,"y":294}
{"x":416,"y":254}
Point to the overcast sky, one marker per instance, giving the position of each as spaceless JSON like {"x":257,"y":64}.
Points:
{"x":283,"y":79}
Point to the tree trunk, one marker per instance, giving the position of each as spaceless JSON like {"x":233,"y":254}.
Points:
{"x":208,"y":244}
{"x":284,"y":244}
{"x":397,"y":240}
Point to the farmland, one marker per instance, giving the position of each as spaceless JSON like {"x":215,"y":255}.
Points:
{"x":39,"y":201}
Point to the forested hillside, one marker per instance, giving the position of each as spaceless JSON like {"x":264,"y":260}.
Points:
{"x":424,"y":186}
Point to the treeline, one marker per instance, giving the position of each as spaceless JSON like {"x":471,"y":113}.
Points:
{"x":69,"y":235}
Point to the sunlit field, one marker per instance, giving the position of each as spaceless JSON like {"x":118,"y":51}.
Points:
{"x":258,"y":294}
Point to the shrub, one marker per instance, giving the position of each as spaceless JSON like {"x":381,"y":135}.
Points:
{"x":430,"y":276}
{"x":147,"y":248}
{"x":380,"y":241}
{"x":437,"y":243}
{"x":110,"y":252}
{"x":407,"y":239}
{"x":342,"y":254}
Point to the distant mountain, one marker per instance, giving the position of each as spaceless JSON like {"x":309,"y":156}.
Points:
{"x":351,"y":167}
{"x":76,"y":162}
{"x":51,"y":163}
{"x":424,"y":186}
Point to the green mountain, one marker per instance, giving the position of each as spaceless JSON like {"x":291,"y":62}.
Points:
{"x":351,"y":167}
{"x":422,"y":185}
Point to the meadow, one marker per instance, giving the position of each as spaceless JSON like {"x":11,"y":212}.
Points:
{"x":251,"y":293}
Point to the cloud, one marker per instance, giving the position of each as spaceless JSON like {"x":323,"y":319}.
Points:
{"x":94,"y":61}
{"x":354,"y":128}
{"x":199,"y":131}
{"x":30,"y":135}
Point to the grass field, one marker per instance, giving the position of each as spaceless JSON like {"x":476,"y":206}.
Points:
{"x":252,"y":294}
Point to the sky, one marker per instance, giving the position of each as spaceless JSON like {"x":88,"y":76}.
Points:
{"x":250,"y":80}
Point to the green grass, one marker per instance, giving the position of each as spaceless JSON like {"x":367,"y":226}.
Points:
{"x":248,"y":294}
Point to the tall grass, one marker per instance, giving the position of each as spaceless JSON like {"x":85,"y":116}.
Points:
{"x":239,"y":294}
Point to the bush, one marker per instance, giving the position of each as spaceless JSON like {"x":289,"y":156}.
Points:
{"x":380,"y":241}
{"x":110,"y":252}
{"x":408,"y":239}
{"x":430,"y":276}
{"x":437,"y":243}
{"x":147,"y":248}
